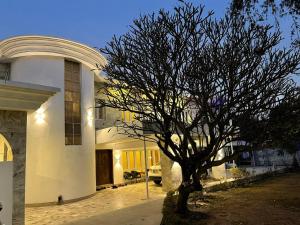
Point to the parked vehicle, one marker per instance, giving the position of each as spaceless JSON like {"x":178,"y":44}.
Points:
{"x":154,"y":174}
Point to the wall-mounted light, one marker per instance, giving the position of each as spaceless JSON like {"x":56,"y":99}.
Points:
{"x":40,"y":116}
{"x":118,"y":157}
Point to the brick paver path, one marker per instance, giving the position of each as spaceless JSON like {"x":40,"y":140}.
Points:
{"x":105,"y":201}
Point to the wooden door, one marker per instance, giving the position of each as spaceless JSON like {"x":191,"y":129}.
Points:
{"x":104,"y":167}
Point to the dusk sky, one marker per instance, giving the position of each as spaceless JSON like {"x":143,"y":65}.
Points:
{"x":92,"y":22}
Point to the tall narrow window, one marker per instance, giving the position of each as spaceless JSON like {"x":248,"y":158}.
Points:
{"x":100,"y":112}
{"x":72,"y":103}
{"x":4,"y":71}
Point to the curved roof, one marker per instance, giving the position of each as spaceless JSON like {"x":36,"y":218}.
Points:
{"x":50,"y":46}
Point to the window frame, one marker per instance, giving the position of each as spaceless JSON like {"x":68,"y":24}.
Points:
{"x":72,"y":102}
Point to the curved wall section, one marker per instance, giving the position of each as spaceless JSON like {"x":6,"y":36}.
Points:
{"x":50,"y":46}
{"x":53,"y":168}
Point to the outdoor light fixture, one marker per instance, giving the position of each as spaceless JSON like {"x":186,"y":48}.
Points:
{"x":40,"y":116}
{"x":118,"y":157}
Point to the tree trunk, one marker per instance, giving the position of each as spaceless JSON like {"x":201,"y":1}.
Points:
{"x":190,"y":183}
{"x":184,"y":190}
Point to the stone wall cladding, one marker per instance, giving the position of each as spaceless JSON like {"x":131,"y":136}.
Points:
{"x":13,"y":128}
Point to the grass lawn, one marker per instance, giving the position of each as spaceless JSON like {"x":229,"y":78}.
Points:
{"x":275,"y":200}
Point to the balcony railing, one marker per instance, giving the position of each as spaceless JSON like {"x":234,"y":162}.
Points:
{"x":4,"y":75}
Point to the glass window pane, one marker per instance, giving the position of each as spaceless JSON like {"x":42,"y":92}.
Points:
{"x":131,"y":160}
{"x":156,"y":152}
{"x":77,"y":139}
{"x":143,"y":160}
{"x":72,"y":103}
{"x":138,"y":160}
{"x":123,"y":116}
{"x":77,"y":129}
{"x":68,"y":140}
{"x":124,"y":160}
{"x":149,"y":156}
{"x":69,"y":129}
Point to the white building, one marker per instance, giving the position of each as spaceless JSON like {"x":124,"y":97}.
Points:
{"x":50,"y":82}
{"x":119,"y":152}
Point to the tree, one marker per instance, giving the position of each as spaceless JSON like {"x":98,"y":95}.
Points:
{"x":262,"y":9}
{"x":292,"y":6}
{"x":280,"y":129}
{"x":188,"y":77}
{"x":284,"y":125}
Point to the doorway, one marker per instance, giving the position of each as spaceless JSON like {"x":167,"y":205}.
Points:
{"x":104,"y":167}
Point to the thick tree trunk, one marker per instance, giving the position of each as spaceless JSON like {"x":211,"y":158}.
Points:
{"x":187,"y":186}
{"x":184,"y":192}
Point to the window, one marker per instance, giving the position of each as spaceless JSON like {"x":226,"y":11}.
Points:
{"x":72,"y":103}
{"x":100,"y":113}
{"x":127,"y":116}
{"x":5,"y":150}
{"x":135,"y":159}
{"x":153,"y":157}
{"x":5,"y":153}
{"x":4,"y":71}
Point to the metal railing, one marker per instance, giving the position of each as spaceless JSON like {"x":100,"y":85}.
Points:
{"x":4,"y":75}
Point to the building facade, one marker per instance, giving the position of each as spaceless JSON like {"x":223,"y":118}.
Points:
{"x":116,"y":153}
{"x":51,"y":81}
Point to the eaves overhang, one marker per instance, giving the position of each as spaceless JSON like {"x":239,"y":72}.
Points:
{"x":51,"y":46}
{"x":22,"y":96}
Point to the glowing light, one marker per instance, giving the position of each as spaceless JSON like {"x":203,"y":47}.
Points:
{"x":118,"y":157}
{"x":40,"y":116}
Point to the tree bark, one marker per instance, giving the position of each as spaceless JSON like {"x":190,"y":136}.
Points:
{"x":187,"y":186}
{"x":184,"y":192}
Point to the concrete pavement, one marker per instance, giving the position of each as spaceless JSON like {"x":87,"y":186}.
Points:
{"x":108,"y":202}
{"x":148,"y":213}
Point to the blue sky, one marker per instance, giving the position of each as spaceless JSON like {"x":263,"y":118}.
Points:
{"x":92,"y":22}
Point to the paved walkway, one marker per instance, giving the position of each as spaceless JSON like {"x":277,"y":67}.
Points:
{"x":148,"y":213}
{"x":107,"y":205}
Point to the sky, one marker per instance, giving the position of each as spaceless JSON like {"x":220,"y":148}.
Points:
{"x":92,"y":22}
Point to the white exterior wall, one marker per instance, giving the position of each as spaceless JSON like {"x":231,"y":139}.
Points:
{"x":6,"y":192}
{"x":53,"y":168}
{"x":117,"y":167}
{"x":219,"y":172}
